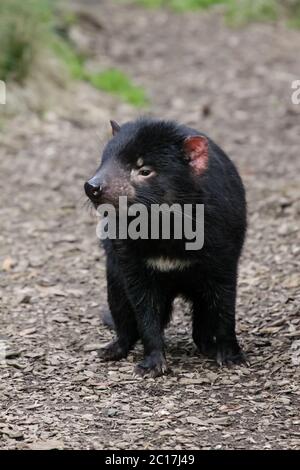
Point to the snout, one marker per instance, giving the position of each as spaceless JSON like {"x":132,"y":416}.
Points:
{"x":93,"y":190}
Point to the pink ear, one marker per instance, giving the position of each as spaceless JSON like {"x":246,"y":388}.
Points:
{"x":196,"y":148}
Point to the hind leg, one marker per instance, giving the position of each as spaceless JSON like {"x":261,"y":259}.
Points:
{"x":204,"y":327}
{"x":214,"y":322}
{"x":122,"y":315}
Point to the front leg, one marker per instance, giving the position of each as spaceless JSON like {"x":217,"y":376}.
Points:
{"x":148,"y":315}
{"x":123,"y":315}
{"x":149,"y":304}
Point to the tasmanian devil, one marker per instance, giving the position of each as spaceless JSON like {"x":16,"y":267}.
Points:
{"x":161,"y":162}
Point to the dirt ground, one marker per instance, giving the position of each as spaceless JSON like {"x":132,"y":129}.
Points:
{"x":55,"y":392}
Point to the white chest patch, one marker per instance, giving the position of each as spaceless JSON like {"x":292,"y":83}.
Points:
{"x":167,"y":264}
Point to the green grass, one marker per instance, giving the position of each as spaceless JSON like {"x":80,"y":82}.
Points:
{"x":24,"y":29}
{"x":73,"y":61}
{"x":112,"y":80}
{"x":240,"y":12}
{"x":236,"y":12}
{"x":251,"y":9}
{"x":116,"y":82}
{"x":30,"y":29}
{"x":179,"y":5}
{"x":183,"y":5}
{"x":293,"y":11}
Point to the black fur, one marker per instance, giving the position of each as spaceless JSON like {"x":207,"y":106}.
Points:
{"x":140,"y":297}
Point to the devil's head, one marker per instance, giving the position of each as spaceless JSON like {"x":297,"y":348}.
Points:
{"x":150,"y":162}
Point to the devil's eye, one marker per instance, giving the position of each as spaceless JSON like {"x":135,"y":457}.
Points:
{"x":145,"y":171}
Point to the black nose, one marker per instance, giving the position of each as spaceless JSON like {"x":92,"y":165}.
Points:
{"x":93,"y":191}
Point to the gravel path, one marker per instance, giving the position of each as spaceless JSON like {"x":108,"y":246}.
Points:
{"x":55,"y":393}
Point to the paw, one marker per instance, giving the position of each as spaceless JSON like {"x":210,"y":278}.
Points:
{"x":228,"y":355}
{"x":152,"y":366}
{"x":112,"y":351}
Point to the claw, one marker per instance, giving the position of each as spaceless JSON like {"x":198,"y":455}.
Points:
{"x":227,"y":358}
{"x":152,"y":366}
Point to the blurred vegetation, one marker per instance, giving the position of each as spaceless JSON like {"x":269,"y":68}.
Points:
{"x":24,"y":30}
{"x":30,"y":29}
{"x":246,"y":11}
{"x":113,"y":81}
{"x":237,"y":12}
{"x":293,"y":9}
{"x":116,"y":82}
{"x":180,"y":5}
